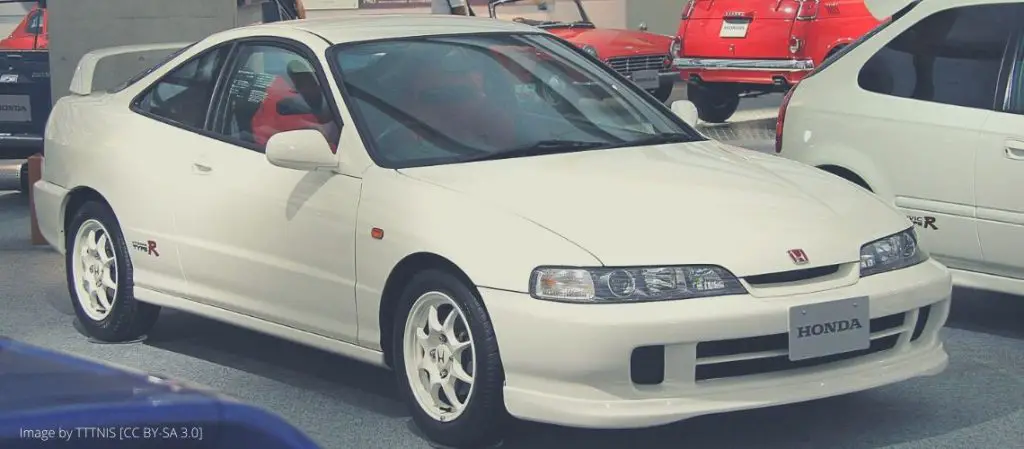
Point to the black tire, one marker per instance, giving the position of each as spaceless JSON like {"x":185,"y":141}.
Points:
{"x":128,"y":318}
{"x":715,"y":102}
{"x":482,"y":423}
{"x":663,"y":92}
{"x":23,"y":178}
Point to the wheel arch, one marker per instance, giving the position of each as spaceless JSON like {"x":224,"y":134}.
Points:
{"x":399,"y":277}
{"x":847,"y":174}
{"x":75,"y":199}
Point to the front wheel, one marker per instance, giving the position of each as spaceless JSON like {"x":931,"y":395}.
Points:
{"x":715,"y":102}
{"x":663,"y":92}
{"x":447,"y":362}
{"x":99,"y":275}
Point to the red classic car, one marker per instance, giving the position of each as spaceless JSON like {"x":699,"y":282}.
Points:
{"x":643,"y":57}
{"x":31,"y":32}
{"x":742,"y":48}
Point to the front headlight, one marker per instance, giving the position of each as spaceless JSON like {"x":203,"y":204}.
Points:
{"x":896,"y":251}
{"x":623,"y":285}
{"x":590,"y":50}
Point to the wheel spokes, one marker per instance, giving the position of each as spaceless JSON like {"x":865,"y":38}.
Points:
{"x":448,"y":386}
{"x":434,"y":321}
{"x":90,"y":240}
{"x":459,"y":372}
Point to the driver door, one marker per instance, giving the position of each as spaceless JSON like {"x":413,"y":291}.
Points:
{"x":261,"y":240}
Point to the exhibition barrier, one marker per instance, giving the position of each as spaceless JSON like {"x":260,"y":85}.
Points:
{"x":35,"y":173}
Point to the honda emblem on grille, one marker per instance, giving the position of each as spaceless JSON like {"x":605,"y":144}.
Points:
{"x":798,"y":255}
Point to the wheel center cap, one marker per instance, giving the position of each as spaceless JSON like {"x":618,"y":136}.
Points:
{"x":444,"y":354}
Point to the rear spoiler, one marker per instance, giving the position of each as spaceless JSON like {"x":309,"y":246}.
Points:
{"x":115,"y":63}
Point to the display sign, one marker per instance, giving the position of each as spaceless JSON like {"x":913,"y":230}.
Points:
{"x":15,"y":108}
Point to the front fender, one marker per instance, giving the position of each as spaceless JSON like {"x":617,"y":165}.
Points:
{"x":495,"y":248}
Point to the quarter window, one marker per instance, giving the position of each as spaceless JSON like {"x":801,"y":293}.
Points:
{"x":183,"y":95}
{"x":951,"y":57}
{"x":272,"y":89}
{"x":35,"y":23}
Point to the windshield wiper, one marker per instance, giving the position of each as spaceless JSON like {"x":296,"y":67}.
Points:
{"x":553,"y":146}
{"x":654,"y":139}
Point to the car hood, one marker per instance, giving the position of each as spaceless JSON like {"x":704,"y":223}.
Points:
{"x":691,"y":203}
{"x":616,"y":43}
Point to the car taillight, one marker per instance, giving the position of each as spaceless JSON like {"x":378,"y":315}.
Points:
{"x":780,"y":122}
{"x":808,"y":10}
{"x":688,"y":8}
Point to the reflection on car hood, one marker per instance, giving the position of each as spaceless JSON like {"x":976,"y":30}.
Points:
{"x":616,"y":43}
{"x":684,"y":203}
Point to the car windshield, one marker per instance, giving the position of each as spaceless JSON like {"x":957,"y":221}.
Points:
{"x":451,"y":99}
{"x":543,"y":13}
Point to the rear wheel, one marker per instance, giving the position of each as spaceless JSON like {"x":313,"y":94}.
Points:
{"x":99,"y":275}
{"x":715,"y":102}
{"x":23,"y":178}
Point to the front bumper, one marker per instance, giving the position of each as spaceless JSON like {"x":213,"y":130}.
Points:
{"x":570,"y":364}
{"x":749,"y":71}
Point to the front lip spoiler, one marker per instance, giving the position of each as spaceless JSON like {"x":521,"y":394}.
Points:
{"x":787,"y":65}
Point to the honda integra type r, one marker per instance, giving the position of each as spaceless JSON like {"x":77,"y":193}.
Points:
{"x":512,"y":227}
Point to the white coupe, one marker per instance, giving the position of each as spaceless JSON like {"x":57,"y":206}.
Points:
{"x":512,"y":227}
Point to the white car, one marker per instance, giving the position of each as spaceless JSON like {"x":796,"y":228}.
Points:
{"x":927,"y":112}
{"x":511,"y":226}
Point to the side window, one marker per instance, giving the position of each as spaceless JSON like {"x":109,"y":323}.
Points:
{"x":35,"y":23}
{"x":952,"y":57}
{"x":272,"y":89}
{"x":183,"y":95}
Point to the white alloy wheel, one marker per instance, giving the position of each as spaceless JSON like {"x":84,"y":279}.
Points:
{"x":94,"y":266}
{"x":440,"y":360}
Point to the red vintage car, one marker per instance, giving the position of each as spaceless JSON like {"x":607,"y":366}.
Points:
{"x":31,"y":33}
{"x":742,"y":48}
{"x":643,"y":57}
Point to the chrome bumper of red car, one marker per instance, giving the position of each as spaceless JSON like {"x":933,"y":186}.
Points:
{"x":786,"y":65}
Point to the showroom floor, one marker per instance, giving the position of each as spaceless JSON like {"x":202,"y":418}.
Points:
{"x":978,"y":403}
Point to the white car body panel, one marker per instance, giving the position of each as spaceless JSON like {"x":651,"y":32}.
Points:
{"x":930,"y":160}
{"x":290,"y":253}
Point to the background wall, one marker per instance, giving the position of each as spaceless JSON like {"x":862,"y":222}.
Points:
{"x":80,"y":26}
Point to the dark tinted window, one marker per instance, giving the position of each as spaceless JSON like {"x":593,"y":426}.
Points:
{"x":273,"y":89}
{"x":183,"y":95}
{"x":951,"y":57}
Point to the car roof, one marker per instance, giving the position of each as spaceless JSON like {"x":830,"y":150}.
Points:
{"x":367,"y":27}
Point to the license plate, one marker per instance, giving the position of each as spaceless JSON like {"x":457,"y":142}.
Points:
{"x":835,"y":327}
{"x":15,"y":108}
{"x":734,"y":28}
{"x":645,"y":79}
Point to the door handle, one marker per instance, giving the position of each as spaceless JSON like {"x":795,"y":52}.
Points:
{"x":201,"y":169}
{"x":1014,"y":149}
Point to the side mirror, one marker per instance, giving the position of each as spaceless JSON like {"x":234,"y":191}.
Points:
{"x":686,"y":111}
{"x":303,"y":149}
{"x":294,"y":105}
{"x":643,"y":26}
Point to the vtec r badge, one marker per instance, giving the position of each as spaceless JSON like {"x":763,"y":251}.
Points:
{"x":799,"y":256}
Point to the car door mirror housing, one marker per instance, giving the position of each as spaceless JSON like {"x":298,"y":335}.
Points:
{"x":686,"y":111}
{"x":303,"y":149}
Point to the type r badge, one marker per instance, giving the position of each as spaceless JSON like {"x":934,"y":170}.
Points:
{"x":148,"y":247}
{"x":799,"y":256}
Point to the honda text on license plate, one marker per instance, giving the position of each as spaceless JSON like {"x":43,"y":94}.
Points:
{"x":15,"y":108}
{"x":828,"y":328}
{"x":734,"y":27}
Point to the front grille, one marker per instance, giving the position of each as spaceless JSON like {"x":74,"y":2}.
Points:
{"x":629,"y":64}
{"x":792,"y":276}
{"x":770,"y":353}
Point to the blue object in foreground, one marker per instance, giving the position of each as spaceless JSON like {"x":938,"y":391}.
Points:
{"x":52,"y":400}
